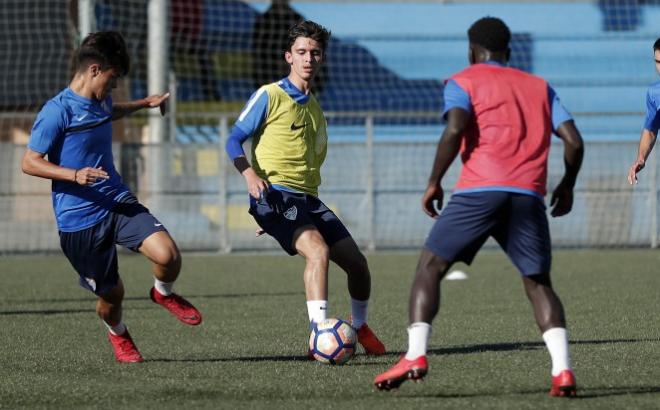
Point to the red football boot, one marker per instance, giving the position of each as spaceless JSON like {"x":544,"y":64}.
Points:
{"x":563,"y":385}
{"x":404,"y":370}
{"x":177,"y":306}
{"x":370,"y":342}
{"x":124,"y":348}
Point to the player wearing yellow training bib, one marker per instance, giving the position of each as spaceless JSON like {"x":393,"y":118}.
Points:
{"x":289,"y":144}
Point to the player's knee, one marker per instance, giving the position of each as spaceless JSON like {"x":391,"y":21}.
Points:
{"x":359,"y":264}
{"x":168,"y":257}
{"x":431,"y":265}
{"x":540,"y":280}
{"x":319,"y":254}
{"x":113,"y":296}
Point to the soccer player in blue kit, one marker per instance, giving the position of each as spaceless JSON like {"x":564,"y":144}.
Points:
{"x":93,"y":208}
{"x":651,"y":123}
{"x":289,"y":146}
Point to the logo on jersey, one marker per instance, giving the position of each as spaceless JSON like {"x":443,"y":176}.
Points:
{"x":82,"y":117}
{"x":297,"y":127}
{"x":291,"y":213}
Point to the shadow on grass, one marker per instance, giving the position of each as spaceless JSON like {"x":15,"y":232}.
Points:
{"x":506,"y":347}
{"x":249,"y":359}
{"x":516,"y":346}
{"x":583,"y":393}
{"x":48,"y":312}
{"x":126,"y":299}
{"x":373,"y":360}
{"x":146,"y":297}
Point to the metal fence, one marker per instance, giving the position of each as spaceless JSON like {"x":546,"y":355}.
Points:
{"x":373,"y":178}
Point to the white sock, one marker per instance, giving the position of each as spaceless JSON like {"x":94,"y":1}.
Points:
{"x":317,"y":310}
{"x":359,"y":312}
{"x":418,"y":339}
{"x":556,"y":339}
{"x":163,"y":288}
{"x":116,"y":330}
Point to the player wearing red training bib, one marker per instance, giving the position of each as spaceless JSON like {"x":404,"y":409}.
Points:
{"x":500,"y":120}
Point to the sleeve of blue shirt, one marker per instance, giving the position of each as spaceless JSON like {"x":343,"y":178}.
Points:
{"x":48,"y":126}
{"x":559,"y":113}
{"x":652,"y":121}
{"x":456,"y":97}
{"x":247,"y":124}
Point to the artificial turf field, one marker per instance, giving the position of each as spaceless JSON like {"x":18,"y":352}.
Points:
{"x":250,"y":350}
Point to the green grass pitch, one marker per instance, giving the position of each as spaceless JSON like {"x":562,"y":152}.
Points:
{"x":250,"y":351}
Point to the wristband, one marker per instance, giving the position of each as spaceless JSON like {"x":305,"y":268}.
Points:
{"x":241,"y":164}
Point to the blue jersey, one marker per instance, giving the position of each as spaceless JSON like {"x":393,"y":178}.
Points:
{"x":652,"y":121}
{"x":76,"y":132}
{"x":456,"y":97}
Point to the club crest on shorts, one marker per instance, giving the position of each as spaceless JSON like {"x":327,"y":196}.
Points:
{"x":291,"y":213}
{"x":91,"y":283}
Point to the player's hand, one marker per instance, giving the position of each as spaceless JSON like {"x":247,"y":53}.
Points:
{"x":634,"y":169}
{"x":256,"y":186}
{"x":432,"y":200}
{"x":89,"y":175}
{"x":259,"y":232}
{"x":562,"y":200}
{"x":160,"y":101}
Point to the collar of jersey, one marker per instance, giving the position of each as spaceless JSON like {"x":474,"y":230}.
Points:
{"x":293,"y":91}
{"x":79,"y":98}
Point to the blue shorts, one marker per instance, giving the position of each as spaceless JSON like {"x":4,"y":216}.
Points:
{"x":92,"y":251}
{"x":517,"y":222}
{"x":281,"y":213}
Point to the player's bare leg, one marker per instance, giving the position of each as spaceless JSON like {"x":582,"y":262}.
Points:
{"x":549,"y":315}
{"x":310,"y":245}
{"x":160,"y":249}
{"x":108,"y":307}
{"x":346,"y":254}
{"x":425,"y":292}
{"x":423,"y":306}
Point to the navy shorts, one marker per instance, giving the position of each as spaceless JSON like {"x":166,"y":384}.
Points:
{"x":517,"y":222}
{"x":281,"y":213}
{"x":92,"y":251}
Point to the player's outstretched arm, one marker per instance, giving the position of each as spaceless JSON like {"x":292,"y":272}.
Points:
{"x":448,"y":147}
{"x":562,"y":197}
{"x":646,"y":143}
{"x":33,"y":163}
{"x":122,"y":109}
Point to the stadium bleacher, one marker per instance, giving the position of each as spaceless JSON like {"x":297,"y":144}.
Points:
{"x":604,"y":74}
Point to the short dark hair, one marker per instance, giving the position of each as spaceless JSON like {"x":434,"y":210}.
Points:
{"x":106,"y":48}
{"x":656,"y":45}
{"x":311,"y":30}
{"x":490,"y":33}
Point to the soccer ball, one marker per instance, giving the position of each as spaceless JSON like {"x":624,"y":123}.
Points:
{"x":332,"y":341}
